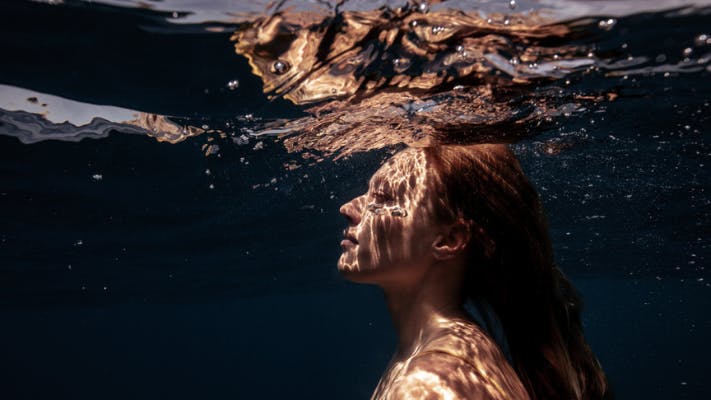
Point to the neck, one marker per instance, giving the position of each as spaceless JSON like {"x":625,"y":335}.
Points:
{"x":421,"y":309}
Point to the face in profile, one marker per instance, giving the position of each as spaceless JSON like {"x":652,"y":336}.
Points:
{"x":390,"y":228}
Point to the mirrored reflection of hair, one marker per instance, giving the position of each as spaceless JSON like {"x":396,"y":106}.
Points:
{"x":511,"y":267}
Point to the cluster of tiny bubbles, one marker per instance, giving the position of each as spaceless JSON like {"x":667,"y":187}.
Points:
{"x":437,"y":29}
{"x":376,"y":208}
{"x":607,"y":24}
{"x":233,"y":84}
{"x":379,"y":209}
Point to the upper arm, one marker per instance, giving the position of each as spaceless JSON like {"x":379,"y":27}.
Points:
{"x":439,"y":375}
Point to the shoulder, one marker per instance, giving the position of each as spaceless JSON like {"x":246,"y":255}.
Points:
{"x":438,"y":375}
{"x":465,"y":365}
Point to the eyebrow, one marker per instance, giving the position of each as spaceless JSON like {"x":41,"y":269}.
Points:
{"x":375,"y":180}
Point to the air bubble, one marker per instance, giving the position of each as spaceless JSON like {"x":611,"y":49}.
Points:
{"x":375,"y":208}
{"x":398,"y":212}
{"x":233,"y":84}
{"x":687,"y":51}
{"x":702,"y":39}
{"x":607,"y":24}
{"x":280,"y":67}
{"x":423,"y":7}
{"x":436,"y":30}
{"x":401,"y":64}
{"x":512,"y":4}
{"x":514,"y":61}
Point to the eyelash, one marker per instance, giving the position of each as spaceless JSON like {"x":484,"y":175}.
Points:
{"x":382,"y":197}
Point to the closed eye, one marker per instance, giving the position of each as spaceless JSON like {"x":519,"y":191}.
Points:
{"x":382,"y":197}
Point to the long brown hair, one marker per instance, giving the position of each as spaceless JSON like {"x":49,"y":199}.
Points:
{"x":511,"y":268}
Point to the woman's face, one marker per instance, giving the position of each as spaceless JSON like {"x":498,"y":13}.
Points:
{"x":390,"y":228}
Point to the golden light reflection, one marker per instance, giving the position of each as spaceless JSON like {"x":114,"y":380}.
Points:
{"x":457,"y":361}
{"x":163,"y":129}
{"x":377,"y":78}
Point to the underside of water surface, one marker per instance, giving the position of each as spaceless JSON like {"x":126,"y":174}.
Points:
{"x":171,"y":173}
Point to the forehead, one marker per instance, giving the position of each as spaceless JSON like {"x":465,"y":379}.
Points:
{"x":405,"y":170}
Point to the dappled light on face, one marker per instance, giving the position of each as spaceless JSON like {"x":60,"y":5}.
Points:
{"x":385,"y":224}
{"x":460,"y":362}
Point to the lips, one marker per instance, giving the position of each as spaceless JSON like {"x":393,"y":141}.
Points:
{"x":349,"y":237}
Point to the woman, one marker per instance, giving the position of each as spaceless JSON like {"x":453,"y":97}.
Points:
{"x":447,"y":226}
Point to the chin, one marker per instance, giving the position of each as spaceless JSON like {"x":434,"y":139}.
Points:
{"x":353,"y":272}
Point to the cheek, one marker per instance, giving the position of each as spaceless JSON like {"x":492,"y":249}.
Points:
{"x":384,"y":240}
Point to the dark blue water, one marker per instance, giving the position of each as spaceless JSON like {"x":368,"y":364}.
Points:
{"x":176,"y":275}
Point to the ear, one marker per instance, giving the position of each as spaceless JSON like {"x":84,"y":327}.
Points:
{"x":452,"y":241}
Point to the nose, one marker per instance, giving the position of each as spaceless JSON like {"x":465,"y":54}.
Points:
{"x":353,"y":210}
